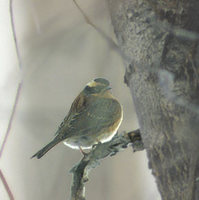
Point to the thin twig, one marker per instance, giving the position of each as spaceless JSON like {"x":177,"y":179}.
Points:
{"x":6,"y":186}
{"x":99,"y":30}
{"x":19,"y":85}
{"x":14,"y":34}
{"x":109,"y":40}
{"x":11,"y":118}
{"x":10,"y":194}
{"x":100,"y":151}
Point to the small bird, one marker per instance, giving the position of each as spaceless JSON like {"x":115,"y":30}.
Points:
{"x":94,"y":116}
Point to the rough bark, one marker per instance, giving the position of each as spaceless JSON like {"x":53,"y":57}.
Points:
{"x":160,"y":40}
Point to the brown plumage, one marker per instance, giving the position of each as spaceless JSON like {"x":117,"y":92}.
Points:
{"x":95,"y":115}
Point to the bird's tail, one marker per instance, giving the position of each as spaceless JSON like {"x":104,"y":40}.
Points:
{"x":44,"y":150}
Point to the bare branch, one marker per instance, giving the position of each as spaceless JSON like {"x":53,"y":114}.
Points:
{"x":10,"y":194}
{"x":100,"y":151}
{"x":11,"y":118}
{"x":6,"y":186}
{"x":14,"y":34}
{"x":108,"y":39}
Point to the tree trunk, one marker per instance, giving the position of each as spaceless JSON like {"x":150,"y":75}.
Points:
{"x":160,"y":41}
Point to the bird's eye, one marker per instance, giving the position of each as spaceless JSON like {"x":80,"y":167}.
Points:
{"x":88,"y":88}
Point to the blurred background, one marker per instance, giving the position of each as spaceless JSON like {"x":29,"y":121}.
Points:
{"x":60,"y":53}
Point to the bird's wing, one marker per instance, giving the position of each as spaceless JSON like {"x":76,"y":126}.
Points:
{"x":92,"y":116}
{"x":78,"y":104}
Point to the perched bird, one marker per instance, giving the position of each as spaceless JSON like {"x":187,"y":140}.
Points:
{"x":95,"y":116}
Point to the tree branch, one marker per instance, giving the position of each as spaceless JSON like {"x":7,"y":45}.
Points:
{"x":100,"y":151}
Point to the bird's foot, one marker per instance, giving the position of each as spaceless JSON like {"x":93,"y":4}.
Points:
{"x":83,"y":152}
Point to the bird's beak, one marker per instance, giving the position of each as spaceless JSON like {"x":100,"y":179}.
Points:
{"x":108,"y":88}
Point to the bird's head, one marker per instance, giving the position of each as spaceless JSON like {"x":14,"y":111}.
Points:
{"x":97,"y":86}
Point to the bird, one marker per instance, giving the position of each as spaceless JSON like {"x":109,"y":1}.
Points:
{"x":95,"y":116}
